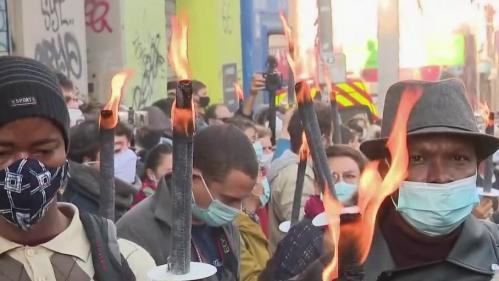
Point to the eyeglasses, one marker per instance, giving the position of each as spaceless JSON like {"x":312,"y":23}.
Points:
{"x":69,"y":99}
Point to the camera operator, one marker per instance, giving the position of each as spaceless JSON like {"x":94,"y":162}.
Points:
{"x":270,"y":81}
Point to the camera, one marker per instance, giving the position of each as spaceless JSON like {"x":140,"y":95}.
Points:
{"x":273,"y":79}
{"x":134,"y":118}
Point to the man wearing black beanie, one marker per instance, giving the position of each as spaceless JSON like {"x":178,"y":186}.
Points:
{"x":41,"y":239}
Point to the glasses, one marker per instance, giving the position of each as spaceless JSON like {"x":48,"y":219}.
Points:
{"x":347,"y":177}
{"x":69,"y":99}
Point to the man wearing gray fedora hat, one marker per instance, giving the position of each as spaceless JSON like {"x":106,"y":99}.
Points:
{"x":425,"y":230}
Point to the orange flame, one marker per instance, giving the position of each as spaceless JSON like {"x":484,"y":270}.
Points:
{"x":303,"y":93}
{"x":178,"y":47}
{"x":304,"y":149}
{"x":118,"y":82}
{"x":302,"y":40}
{"x":333,"y":209}
{"x":239,"y":91}
{"x":484,"y":111}
{"x":183,"y":119}
{"x":370,"y":199}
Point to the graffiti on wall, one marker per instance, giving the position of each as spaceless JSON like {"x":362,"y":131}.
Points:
{"x":96,"y":12}
{"x":53,"y":17}
{"x":59,"y":40}
{"x":4,"y":29}
{"x":61,"y":53}
{"x":151,"y":61}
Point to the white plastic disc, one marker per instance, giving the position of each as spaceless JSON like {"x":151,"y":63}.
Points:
{"x":198,"y":271}
{"x":321,"y":219}
{"x":285,"y":226}
{"x":493,"y":192}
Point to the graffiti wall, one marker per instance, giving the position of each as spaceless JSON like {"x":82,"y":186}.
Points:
{"x":53,"y":32}
{"x":105,"y":51}
{"x":146,"y":51}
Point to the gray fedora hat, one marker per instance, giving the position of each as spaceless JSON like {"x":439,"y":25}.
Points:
{"x":442,"y":109}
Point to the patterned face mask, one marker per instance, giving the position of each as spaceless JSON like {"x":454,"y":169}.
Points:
{"x":27,"y":188}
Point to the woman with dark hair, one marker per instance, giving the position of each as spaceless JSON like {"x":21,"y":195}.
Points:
{"x":292,"y":257}
{"x":158,"y":164}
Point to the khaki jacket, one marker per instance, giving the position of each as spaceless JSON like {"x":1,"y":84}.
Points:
{"x":283,"y":184}
{"x":254,"y":248}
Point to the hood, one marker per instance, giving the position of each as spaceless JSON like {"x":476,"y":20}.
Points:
{"x":248,"y":226}
{"x":87,"y":179}
{"x":288,"y":158}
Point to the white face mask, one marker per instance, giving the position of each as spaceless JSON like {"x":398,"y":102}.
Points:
{"x":125,"y":165}
{"x":437,"y":209}
{"x":266,"y":160}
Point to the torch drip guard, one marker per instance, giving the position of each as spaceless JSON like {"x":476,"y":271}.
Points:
{"x":198,"y":271}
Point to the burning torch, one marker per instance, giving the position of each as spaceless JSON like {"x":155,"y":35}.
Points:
{"x":107,"y":124}
{"x":336,"y":116}
{"x":180,"y":266}
{"x":183,"y":131}
{"x":300,"y":180}
{"x":314,"y":136}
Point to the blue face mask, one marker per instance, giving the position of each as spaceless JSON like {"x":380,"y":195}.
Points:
{"x":264,"y":199}
{"x":437,"y":209}
{"x":257,"y":146}
{"x":344,"y":191}
{"x":217,"y":213}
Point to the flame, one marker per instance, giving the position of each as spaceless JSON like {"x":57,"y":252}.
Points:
{"x":302,"y":40}
{"x":303,"y":93}
{"x":304,"y":149}
{"x":178,"y":47}
{"x":360,"y":232}
{"x":333,"y":210}
{"x":118,"y":82}
{"x":484,"y":111}
{"x":239,"y":91}
{"x":371,"y":200}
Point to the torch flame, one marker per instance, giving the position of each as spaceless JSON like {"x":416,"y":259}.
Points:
{"x":333,"y":210}
{"x":183,"y":119}
{"x":118,"y":82}
{"x":484,"y":111}
{"x":302,"y":42}
{"x":304,"y":149}
{"x":239,"y":91}
{"x":303,"y":93}
{"x":373,"y":189}
{"x":178,"y":47}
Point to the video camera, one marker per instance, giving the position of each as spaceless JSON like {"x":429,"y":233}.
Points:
{"x":273,"y":79}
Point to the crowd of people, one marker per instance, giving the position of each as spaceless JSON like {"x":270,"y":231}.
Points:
{"x":436,"y":226}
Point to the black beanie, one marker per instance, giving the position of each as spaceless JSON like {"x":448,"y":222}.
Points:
{"x":30,"y":89}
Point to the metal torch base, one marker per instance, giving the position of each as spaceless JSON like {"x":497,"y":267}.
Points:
{"x":492,"y":193}
{"x":198,"y":271}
